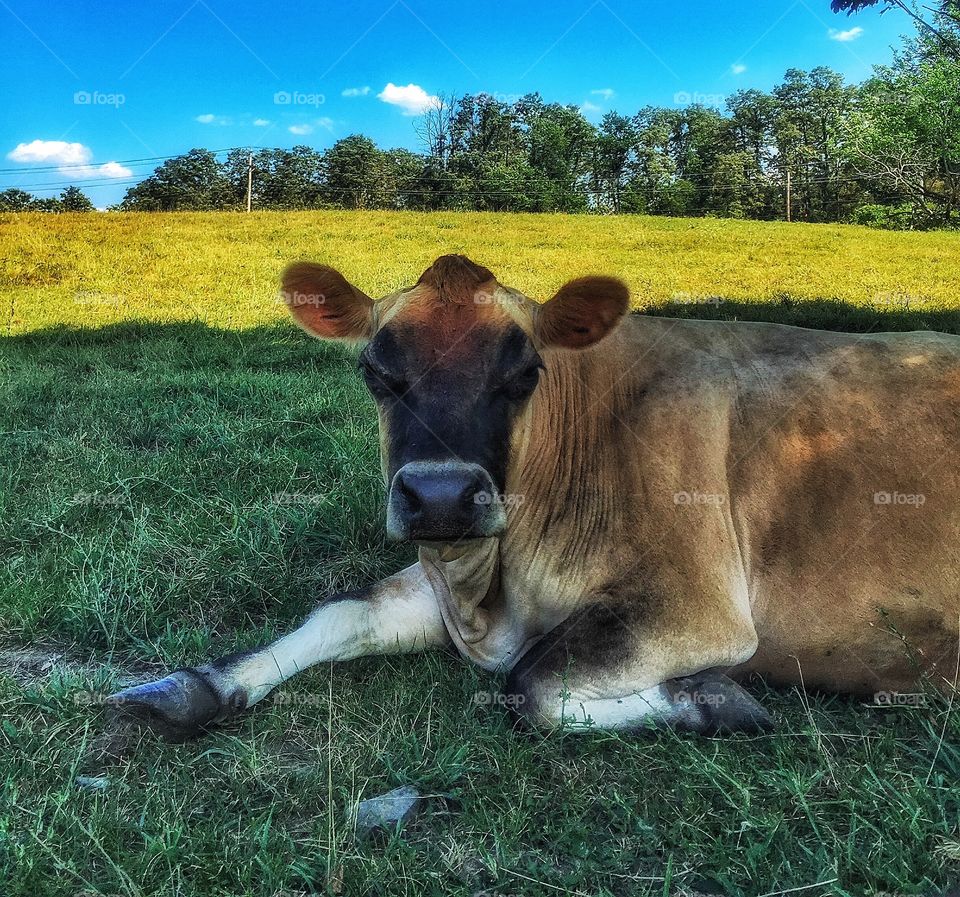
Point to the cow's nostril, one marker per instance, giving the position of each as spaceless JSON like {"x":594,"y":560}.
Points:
{"x":473,"y":493}
{"x":411,"y":497}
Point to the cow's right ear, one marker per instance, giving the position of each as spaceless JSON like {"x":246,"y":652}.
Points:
{"x":325,"y":304}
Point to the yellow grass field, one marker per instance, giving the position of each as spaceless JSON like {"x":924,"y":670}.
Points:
{"x":221,"y":268}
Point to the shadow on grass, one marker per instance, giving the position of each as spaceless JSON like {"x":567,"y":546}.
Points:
{"x":819,"y":314}
{"x":265,"y":344}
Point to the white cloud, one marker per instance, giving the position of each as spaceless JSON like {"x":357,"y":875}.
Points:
{"x":589,"y":108}
{"x":56,"y":151}
{"x":305,"y":128}
{"x":355,"y":92}
{"x":845,"y":36}
{"x":412,"y":99}
{"x":72,"y":159}
{"x":605,"y":92}
{"x":738,"y":68}
{"x":261,"y":122}
{"x":106,"y":170}
{"x":208,"y":118}
{"x":114,"y":170}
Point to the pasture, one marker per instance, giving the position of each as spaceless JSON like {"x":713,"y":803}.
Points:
{"x":185,"y":473}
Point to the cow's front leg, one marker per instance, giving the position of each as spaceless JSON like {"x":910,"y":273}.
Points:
{"x":397,"y":615}
{"x":628,"y":664}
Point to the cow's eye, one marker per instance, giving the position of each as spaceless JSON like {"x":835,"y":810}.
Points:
{"x":522,"y":384}
{"x":380,"y":381}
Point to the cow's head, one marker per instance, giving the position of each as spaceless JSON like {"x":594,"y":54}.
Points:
{"x":451,"y":363}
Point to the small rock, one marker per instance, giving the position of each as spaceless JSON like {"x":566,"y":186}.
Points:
{"x":388,"y":810}
{"x":93,"y":783}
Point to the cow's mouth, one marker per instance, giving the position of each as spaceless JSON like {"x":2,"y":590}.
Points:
{"x":444,"y":502}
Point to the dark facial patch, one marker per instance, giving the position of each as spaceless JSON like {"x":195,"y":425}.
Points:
{"x":450,"y":393}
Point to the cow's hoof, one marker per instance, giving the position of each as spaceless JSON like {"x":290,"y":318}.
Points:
{"x":722,"y":707}
{"x":179,"y":706}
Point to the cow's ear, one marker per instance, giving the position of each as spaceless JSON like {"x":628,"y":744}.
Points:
{"x":325,"y":304}
{"x":584,"y":311}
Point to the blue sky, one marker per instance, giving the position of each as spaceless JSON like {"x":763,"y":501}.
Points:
{"x":90,"y":87}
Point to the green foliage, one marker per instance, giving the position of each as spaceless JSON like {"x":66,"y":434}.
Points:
{"x":72,"y":199}
{"x":15,"y":200}
{"x":885,"y":217}
{"x":195,"y":181}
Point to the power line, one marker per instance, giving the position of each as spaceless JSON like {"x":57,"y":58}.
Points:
{"x":469,"y":194}
{"x":31,"y":169}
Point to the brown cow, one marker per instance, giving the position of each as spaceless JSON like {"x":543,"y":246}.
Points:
{"x":620,"y":510}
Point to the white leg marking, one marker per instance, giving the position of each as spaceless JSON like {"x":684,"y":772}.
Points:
{"x":400,"y":615}
{"x":650,"y":707}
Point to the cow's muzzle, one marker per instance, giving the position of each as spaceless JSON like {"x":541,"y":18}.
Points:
{"x":443,"y":501}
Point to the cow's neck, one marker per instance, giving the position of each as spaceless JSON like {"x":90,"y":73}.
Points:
{"x":466,"y":579}
{"x":566,"y":475}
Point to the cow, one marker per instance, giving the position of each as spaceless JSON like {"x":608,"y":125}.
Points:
{"x":629,"y":515}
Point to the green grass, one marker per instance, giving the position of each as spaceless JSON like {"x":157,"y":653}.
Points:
{"x":178,"y":487}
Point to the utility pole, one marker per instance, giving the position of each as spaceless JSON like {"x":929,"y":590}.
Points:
{"x":789,"y":216}
{"x":249,"y":180}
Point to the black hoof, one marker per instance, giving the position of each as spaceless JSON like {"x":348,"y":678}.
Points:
{"x":179,"y":706}
{"x":721,"y":706}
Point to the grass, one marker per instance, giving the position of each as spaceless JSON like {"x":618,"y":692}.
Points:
{"x":184,"y":473}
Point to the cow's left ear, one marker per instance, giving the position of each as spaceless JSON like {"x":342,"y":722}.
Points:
{"x":325,"y":304}
{"x":584,"y":311}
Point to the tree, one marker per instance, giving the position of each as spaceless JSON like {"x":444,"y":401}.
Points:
{"x":194,"y":181}
{"x":908,"y":141}
{"x":561,"y":151}
{"x":613,"y":152}
{"x":355,"y":174}
{"x":15,"y":200}
{"x":434,"y":128}
{"x":73,"y":199}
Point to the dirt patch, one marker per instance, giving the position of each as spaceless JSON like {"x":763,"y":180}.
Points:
{"x":33,"y":665}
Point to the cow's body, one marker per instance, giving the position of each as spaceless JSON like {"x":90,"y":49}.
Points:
{"x":680,"y":497}
{"x":811,"y":477}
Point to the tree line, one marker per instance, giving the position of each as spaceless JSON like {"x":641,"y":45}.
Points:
{"x":884,"y":152}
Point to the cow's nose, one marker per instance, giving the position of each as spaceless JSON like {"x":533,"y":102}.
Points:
{"x":443,"y":501}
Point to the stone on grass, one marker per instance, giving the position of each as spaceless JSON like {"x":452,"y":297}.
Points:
{"x":389,"y":810}
{"x":93,"y":783}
